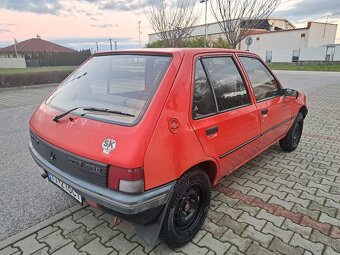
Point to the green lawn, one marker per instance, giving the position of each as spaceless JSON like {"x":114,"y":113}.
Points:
{"x":36,"y":69}
{"x":305,"y":67}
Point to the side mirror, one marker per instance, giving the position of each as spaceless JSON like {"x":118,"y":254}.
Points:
{"x":290,"y":93}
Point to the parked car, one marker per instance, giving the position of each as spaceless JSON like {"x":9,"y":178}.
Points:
{"x":145,"y":134}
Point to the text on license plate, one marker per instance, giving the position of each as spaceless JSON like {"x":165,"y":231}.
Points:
{"x":65,"y":187}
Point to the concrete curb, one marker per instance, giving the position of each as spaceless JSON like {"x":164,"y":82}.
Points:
{"x":38,"y":86}
{"x":41,"y":225}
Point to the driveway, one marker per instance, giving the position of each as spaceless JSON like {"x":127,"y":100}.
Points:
{"x":277,"y":203}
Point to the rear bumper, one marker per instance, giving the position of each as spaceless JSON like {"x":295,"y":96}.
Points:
{"x":131,"y":207}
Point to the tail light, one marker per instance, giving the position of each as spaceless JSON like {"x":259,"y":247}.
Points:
{"x":126,"y":180}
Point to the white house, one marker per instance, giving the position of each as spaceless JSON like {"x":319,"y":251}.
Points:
{"x":310,"y":43}
{"x":277,"y":40}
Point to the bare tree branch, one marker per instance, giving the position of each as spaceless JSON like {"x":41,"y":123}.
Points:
{"x":172,"y":20}
{"x":238,"y":18}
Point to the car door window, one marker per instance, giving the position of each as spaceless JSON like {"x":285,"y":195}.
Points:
{"x":203,"y":101}
{"x":263,"y":82}
{"x":227,"y":83}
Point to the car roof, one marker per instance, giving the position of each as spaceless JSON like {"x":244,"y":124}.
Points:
{"x":172,"y":51}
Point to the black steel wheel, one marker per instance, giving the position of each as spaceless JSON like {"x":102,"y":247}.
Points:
{"x":291,"y":141}
{"x":187,"y":209}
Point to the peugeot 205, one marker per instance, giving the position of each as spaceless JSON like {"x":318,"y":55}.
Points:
{"x":145,"y":134}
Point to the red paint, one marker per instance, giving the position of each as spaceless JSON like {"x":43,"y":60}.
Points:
{"x":335,"y":232}
{"x":167,"y":141}
{"x":322,"y":227}
{"x":293,"y":216}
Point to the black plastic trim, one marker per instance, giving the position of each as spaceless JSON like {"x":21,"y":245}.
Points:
{"x":256,"y":137}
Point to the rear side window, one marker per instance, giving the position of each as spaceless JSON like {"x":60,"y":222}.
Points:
{"x":203,"y":103}
{"x":263,"y":82}
{"x":227,"y":83}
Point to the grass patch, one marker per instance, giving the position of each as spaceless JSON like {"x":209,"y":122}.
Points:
{"x":43,"y":69}
{"x":306,"y":67}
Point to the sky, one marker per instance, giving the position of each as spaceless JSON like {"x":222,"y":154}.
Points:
{"x":80,"y":24}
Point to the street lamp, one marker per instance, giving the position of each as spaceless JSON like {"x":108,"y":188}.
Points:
{"x":206,"y":13}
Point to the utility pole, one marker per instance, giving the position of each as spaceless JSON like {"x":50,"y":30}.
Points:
{"x":324,"y":30}
{"x":110,"y":44}
{"x":115,"y":45}
{"x":139,"y":33}
{"x":97,"y":46}
{"x":205,"y":22}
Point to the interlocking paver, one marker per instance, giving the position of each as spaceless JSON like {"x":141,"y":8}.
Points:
{"x":55,"y":241}
{"x":299,"y":241}
{"x":69,"y":250}
{"x":104,"y":232}
{"x":80,"y":236}
{"x":237,"y":227}
{"x":240,"y":242}
{"x":277,"y":203}
{"x":29,"y":244}
{"x":317,"y":236}
{"x":89,"y":221}
{"x":9,"y":250}
{"x":121,"y":244}
{"x":303,"y":231}
{"x":325,"y":218}
{"x":250,"y":220}
{"x":277,"y":220}
{"x":213,"y":228}
{"x":96,"y":247}
{"x":67,"y":225}
{"x":214,"y":244}
{"x":256,"y":249}
{"x":258,"y":236}
{"x":284,"y":235}
{"x":233,"y":213}
{"x":45,"y":231}
{"x":43,"y":251}
{"x":281,"y":202}
{"x":278,"y":246}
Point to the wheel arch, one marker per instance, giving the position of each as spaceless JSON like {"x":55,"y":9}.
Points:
{"x":210,"y":167}
{"x":304,"y":111}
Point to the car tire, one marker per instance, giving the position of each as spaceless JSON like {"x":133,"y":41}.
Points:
{"x":187,"y":209}
{"x":291,"y":141}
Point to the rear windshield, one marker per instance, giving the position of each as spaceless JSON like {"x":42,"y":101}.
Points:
{"x":123,"y":84}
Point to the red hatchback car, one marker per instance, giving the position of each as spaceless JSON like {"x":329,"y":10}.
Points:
{"x":145,"y":134}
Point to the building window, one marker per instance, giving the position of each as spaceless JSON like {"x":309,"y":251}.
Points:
{"x":303,"y":35}
{"x":258,"y":39}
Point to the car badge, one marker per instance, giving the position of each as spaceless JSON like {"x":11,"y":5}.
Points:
{"x":108,"y":145}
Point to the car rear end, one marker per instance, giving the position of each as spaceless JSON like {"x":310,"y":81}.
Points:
{"x":95,"y":153}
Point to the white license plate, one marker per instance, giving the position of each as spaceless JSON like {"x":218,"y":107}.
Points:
{"x":67,"y":188}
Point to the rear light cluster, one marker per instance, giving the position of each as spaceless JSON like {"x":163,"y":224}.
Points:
{"x":126,"y":180}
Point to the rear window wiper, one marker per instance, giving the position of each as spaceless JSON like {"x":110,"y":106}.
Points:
{"x":93,"y":109}
{"x":58,"y":117}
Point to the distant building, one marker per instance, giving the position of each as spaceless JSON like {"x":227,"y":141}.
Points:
{"x":315,"y":42}
{"x":277,"y":40}
{"x":214,"y":31}
{"x":32,"y":46}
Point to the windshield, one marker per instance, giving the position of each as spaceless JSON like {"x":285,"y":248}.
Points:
{"x":119,"y":83}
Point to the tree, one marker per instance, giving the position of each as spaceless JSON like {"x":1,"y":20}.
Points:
{"x":238,"y":18}
{"x":172,"y":20}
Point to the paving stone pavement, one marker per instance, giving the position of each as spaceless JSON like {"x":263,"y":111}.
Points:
{"x":278,"y":203}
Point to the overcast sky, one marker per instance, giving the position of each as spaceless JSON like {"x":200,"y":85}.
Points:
{"x":80,"y":24}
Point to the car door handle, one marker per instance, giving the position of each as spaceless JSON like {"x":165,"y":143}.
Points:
{"x":211,"y":131}
{"x":264,"y":111}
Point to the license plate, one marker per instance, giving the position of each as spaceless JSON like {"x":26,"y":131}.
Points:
{"x":67,"y":188}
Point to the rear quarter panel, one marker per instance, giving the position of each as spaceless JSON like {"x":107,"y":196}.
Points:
{"x":169,"y":155}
